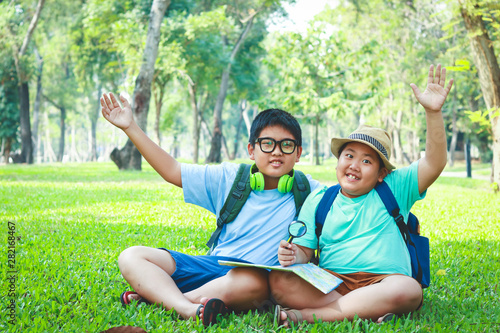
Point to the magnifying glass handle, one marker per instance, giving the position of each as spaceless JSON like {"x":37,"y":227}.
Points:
{"x":289,"y":239}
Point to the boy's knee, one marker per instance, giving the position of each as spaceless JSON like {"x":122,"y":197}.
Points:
{"x":282,"y":283}
{"x":249,"y":288}
{"x":126,"y":256}
{"x":136,"y":258}
{"x":255,"y":280}
{"x":131,"y":257}
{"x":408,"y":294}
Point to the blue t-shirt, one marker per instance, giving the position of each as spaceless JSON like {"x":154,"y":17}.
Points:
{"x":359,"y":235}
{"x":262,"y":223}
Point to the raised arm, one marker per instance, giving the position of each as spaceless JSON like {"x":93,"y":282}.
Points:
{"x":432,"y":99}
{"x":122,"y":117}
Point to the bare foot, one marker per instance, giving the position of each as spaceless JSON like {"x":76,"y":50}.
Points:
{"x":201,"y":308}
{"x":133,"y":297}
{"x":283,"y":318}
{"x":386,"y":318}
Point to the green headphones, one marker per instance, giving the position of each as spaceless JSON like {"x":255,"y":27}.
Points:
{"x":257,"y":180}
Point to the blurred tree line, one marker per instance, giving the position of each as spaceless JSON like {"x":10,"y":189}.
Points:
{"x":196,"y":85}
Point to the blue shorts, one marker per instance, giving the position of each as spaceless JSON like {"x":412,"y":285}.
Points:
{"x":192,"y":272}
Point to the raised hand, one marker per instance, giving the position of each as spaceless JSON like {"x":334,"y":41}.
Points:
{"x":114,"y":113}
{"x":434,"y":95}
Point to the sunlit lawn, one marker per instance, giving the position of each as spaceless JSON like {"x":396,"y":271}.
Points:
{"x":71,"y":222}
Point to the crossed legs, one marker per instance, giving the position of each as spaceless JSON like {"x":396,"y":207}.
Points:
{"x":397,"y":294}
{"x":149,"y":270}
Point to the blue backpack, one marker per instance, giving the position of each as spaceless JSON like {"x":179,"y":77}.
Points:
{"x":418,"y":246}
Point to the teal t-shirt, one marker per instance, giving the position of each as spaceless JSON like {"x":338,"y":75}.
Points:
{"x":359,"y":235}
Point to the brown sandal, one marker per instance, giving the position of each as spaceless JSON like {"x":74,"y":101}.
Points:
{"x":293,"y":317}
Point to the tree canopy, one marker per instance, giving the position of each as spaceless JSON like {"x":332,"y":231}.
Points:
{"x":219,"y":62}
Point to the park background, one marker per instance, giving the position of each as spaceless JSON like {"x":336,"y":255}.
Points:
{"x":195,"y":89}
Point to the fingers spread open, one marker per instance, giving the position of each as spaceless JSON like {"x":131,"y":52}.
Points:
{"x":443,"y":77}
{"x":430,"y":77}
{"x":450,"y":84}
{"x":124,"y":101}
{"x":416,"y":91}
{"x":114,"y":102}
{"x":105,"y":102}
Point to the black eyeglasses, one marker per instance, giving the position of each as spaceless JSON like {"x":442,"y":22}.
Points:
{"x":267,"y":145}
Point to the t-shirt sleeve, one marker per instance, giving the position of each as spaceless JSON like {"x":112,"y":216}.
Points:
{"x":308,"y":216}
{"x":404,"y":185}
{"x":207,"y":185}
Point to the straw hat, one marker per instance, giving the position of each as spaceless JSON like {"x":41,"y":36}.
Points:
{"x":374,"y":137}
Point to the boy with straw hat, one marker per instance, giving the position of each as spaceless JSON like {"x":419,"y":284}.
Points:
{"x":360,"y":243}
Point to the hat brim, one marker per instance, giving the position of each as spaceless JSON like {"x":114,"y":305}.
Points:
{"x":337,"y":143}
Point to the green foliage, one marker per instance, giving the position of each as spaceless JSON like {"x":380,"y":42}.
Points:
{"x":481,"y":118}
{"x":99,"y":49}
{"x":9,"y":105}
{"x":73,"y":220}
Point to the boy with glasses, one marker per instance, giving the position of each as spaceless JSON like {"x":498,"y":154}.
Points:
{"x":198,"y":285}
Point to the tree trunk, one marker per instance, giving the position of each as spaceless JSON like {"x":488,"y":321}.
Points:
{"x":489,"y":79}
{"x":62,"y":124}
{"x":175,"y":147}
{"x":248,"y":122}
{"x":24,"y":101}
{"x":311,"y":140}
{"x":94,"y":116}
{"x":215,"y":156}
{"x":6,"y":149}
{"x":37,"y":106}
{"x":454,"y":130}
{"x":129,"y":157}
{"x":74,"y":157}
{"x":48,"y":152}
{"x":414,"y":138}
{"x":158,"y":94}
{"x":390,"y":122}
{"x":243,"y":107}
{"x":157,"y":123}
{"x":316,"y":139}
{"x":196,"y":120}
{"x":26,"y":140}
{"x":224,"y":148}
{"x":396,"y":138}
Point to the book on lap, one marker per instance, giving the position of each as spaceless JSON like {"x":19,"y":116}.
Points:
{"x":311,"y":273}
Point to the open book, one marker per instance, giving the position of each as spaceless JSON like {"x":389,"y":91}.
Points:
{"x":316,"y":276}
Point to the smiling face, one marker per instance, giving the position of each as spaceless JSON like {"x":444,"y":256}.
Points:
{"x":275,"y":164}
{"x":358,"y":169}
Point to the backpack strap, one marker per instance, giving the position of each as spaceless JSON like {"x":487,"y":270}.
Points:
{"x":324,"y":207}
{"x":240,"y":191}
{"x":321,"y":212}
{"x":392,"y":206}
{"x":301,"y":189}
{"x":234,"y":202}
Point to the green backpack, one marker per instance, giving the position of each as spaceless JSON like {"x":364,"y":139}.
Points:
{"x":240,"y":192}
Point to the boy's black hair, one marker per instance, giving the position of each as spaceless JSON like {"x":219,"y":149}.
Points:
{"x":275,"y":117}
{"x":380,"y":160}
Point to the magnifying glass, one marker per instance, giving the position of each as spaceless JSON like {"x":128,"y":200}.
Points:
{"x":296,"y":229}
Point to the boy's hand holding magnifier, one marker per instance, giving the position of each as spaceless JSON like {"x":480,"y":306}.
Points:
{"x":287,"y":251}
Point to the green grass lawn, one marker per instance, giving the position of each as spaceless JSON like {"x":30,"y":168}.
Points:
{"x":68,"y":224}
